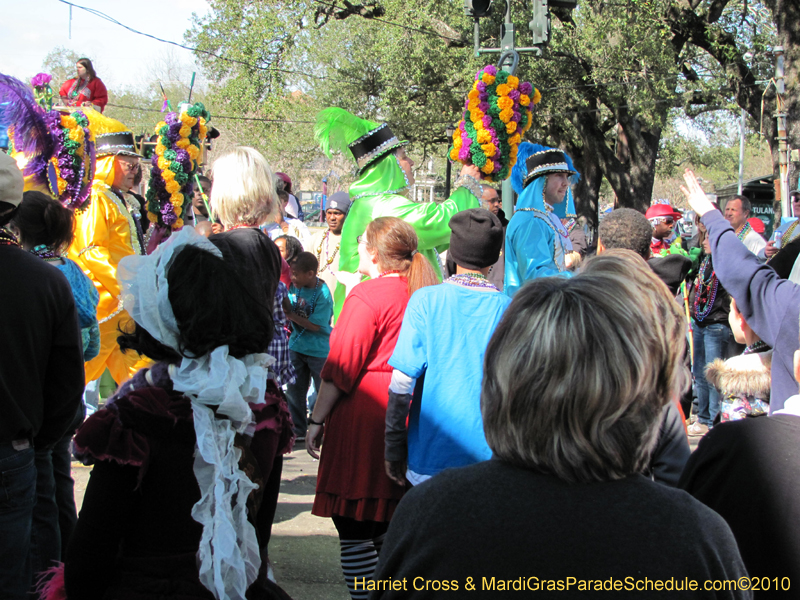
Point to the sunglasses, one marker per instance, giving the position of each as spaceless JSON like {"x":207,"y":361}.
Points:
{"x":668,"y":220}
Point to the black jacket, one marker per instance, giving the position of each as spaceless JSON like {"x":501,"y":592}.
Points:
{"x":41,"y":370}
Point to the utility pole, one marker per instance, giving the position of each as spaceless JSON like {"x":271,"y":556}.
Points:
{"x":509,"y":53}
{"x":783,"y":140}
{"x":741,"y":152}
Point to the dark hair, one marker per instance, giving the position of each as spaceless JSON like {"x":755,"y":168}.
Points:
{"x":626,"y":229}
{"x":293,"y":246}
{"x":280,"y":189}
{"x":204,"y":180}
{"x":41,"y":220}
{"x":226,"y":315}
{"x":305,"y":262}
{"x":89,"y":68}
{"x":746,"y":204}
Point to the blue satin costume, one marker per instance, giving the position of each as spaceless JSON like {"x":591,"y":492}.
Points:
{"x":536,"y":240}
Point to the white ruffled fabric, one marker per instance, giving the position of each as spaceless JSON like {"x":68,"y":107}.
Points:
{"x":228,"y":556}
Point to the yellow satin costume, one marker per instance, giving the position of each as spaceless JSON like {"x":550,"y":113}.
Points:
{"x":104,"y":233}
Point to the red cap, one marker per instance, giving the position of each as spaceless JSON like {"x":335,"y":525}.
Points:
{"x":757,"y":224}
{"x":286,"y":180}
{"x":662,"y":210}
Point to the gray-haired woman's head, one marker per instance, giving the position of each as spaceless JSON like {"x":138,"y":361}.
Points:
{"x":578,"y":370}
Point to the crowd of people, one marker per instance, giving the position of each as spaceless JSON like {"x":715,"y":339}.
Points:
{"x":485,"y":397}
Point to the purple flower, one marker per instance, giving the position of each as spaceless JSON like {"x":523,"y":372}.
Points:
{"x":481,"y":87}
{"x":487,"y":121}
{"x":169,"y":218}
{"x":483,"y":107}
{"x":516,"y":117}
{"x":181,"y":156}
{"x":171,"y":118}
{"x":490,"y":69}
{"x":463,"y":153}
{"x":41,"y":80}
{"x":514,"y":95}
{"x":525,"y":88}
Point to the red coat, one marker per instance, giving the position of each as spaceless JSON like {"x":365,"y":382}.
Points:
{"x":94,"y":92}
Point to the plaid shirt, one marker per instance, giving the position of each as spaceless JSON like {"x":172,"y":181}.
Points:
{"x":282,"y":370}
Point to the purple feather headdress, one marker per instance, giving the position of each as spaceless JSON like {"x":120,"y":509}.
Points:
{"x":31,"y":136}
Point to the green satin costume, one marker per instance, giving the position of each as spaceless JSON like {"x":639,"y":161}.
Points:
{"x":376,"y":194}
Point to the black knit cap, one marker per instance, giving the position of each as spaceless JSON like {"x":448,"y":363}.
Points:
{"x":477,"y":238}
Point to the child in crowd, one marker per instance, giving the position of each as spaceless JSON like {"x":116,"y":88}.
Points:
{"x":743,"y":381}
{"x":311,"y":312}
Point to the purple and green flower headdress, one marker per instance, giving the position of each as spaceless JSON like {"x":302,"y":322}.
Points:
{"x":496,"y":116}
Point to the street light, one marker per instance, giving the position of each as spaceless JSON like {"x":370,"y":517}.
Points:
{"x":450,"y":130}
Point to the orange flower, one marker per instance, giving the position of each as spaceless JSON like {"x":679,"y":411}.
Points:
{"x":537,"y":96}
{"x":187,"y":120}
{"x":513,"y":82}
{"x":168,"y":175}
{"x":511,"y":127}
{"x":514,"y":139}
{"x":160,"y":149}
{"x":473,"y":94}
{"x":524,"y":100}
{"x":504,"y":102}
{"x":488,"y":79}
{"x":489,"y":149}
{"x":505,"y":115}
{"x":193,"y":151}
{"x":489,"y":166}
{"x":176,"y":198}
{"x":457,"y":142}
{"x":454,"y":153}
{"x":185,"y":131}
{"x":163,"y":164}
{"x":178,"y":224}
{"x":530,"y":122}
{"x":152,"y":217}
{"x":484,"y":137}
{"x":173,"y":186}
{"x":503,"y":89}
{"x":69,"y":122}
{"x":183,"y":143}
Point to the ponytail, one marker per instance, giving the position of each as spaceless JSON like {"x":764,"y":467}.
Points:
{"x":420,"y":273}
{"x":396,"y":243}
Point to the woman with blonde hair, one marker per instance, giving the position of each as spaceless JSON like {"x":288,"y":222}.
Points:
{"x":575,"y":378}
{"x":352,"y":486}
{"x":243,"y":197}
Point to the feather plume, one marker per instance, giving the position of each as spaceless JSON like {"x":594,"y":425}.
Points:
{"x":573,"y":178}
{"x":336,"y":128}
{"x":31,"y":135}
{"x":520,"y":169}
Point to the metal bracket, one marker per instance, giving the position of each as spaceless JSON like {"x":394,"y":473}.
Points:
{"x":513,"y":55}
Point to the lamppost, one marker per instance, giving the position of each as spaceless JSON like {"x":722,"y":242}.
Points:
{"x":450,"y":130}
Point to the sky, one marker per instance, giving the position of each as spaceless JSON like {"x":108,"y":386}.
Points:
{"x":120,"y":57}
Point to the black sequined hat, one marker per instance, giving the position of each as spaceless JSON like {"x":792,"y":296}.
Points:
{"x":374,"y":145}
{"x":544,"y":163}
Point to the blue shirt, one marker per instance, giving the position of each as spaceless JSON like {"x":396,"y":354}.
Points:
{"x":444,"y":335}
{"x":317,"y":304}
{"x":86,"y":299}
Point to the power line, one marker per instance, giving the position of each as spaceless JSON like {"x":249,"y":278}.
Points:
{"x":426,"y":32}
{"x":155,"y":110}
{"x":110,"y":19}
